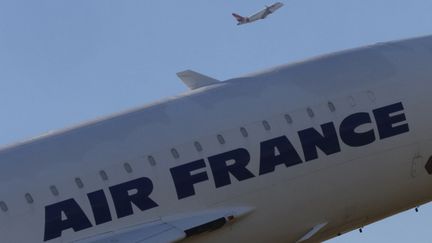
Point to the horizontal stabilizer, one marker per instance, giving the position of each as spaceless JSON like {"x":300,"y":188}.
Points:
{"x":196,"y":80}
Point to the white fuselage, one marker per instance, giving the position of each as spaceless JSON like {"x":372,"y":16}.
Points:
{"x":350,"y":182}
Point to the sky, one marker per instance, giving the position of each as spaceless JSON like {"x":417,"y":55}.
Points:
{"x":65,"y":62}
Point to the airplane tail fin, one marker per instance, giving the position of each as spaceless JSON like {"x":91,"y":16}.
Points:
{"x":239,"y":18}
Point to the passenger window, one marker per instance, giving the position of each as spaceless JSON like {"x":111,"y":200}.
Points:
{"x":29,"y":198}
{"x":54,"y":190}
{"x":198,"y":146}
{"x":103,"y":175}
{"x":266,"y":125}
{"x":221,"y":139}
{"x":244,"y":132}
{"x":127,"y":167}
{"x":331,"y":106}
{"x":288,"y":119}
{"x":79,"y":183}
{"x":3,"y":206}
{"x":151,"y":160}
{"x":175,"y":153}
{"x":310,"y":112}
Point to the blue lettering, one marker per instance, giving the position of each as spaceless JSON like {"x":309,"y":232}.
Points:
{"x":221,"y":170}
{"x":390,"y":121}
{"x":386,"y":121}
{"x":277,"y":151}
{"x":123,"y":201}
{"x":311,"y":139}
{"x":183,"y":179}
{"x":100,"y":207}
{"x":348,"y":134}
{"x":75,"y":218}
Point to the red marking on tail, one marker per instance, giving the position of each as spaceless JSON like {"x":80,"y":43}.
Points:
{"x":238,"y":17}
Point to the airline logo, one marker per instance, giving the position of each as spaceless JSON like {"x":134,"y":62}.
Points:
{"x":275,"y":153}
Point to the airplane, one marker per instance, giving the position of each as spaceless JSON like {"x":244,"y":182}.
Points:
{"x":301,"y":152}
{"x":260,"y":15}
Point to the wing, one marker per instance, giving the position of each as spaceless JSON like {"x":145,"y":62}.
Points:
{"x":261,"y":14}
{"x":275,"y":7}
{"x":264,"y":13}
{"x":172,"y":229}
{"x":151,"y":232}
{"x":312,"y":232}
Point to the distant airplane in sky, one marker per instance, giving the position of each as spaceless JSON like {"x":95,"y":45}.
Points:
{"x":298,"y":153}
{"x":260,"y":15}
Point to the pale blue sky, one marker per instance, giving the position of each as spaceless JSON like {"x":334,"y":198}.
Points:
{"x":64,"y":62}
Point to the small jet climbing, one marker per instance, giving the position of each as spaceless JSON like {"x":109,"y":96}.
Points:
{"x":260,"y":15}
